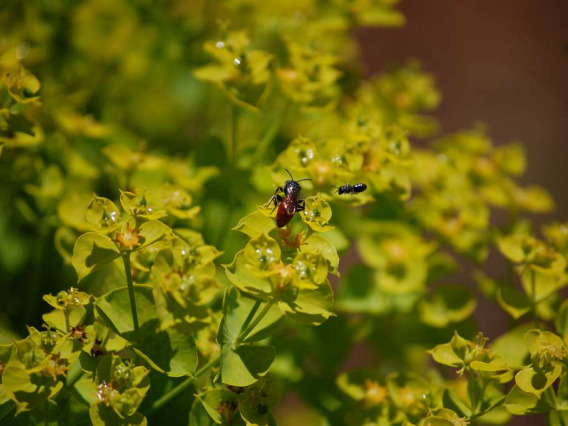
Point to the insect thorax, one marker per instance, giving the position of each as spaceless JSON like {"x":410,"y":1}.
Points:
{"x":292,"y":189}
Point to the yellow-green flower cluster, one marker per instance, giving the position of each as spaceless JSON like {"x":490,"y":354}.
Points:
{"x":462,"y":180}
{"x":293,"y":277}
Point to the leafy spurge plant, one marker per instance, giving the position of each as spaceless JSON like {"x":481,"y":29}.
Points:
{"x":140,"y":145}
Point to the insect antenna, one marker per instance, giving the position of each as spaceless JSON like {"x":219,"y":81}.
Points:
{"x":303,"y":179}
{"x":289,"y":174}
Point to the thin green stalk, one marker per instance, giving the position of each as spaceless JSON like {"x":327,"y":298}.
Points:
{"x":231,"y":174}
{"x":181,"y":387}
{"x":128,"y":271}
{"x":252,"y":313}
{"x":67,"y":326}
{"x":234,"y":136}
{"x":271,"y":133}
{"x":243,"y":335}
{"x":533,"y":299}
{"x":550,"y":396}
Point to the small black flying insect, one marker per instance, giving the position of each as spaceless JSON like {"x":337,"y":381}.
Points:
{"x":351,"y":189}
{"x":290,"y":203}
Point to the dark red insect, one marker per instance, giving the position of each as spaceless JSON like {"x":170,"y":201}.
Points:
{"x":288,"y":204}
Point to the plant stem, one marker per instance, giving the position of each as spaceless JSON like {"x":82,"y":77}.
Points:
{"x":551,"y":396}
{"x":230,"y":174}
{"x":533,"y":299}
{"x":67,"y":326}
{"x":243,"y":335}
{"x":128,"y":271}
{"x":234,"y":136}
{"x":181,"y":387}
{"x":251,"y":314}
{"x":271,"y":133}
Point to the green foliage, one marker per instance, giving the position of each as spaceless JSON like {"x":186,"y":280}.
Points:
{"x":140,"y":143}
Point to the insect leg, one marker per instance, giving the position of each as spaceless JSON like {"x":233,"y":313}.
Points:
{"x":301,"y":205}
{"x":277,"y":199}
{"x":274,"y":197}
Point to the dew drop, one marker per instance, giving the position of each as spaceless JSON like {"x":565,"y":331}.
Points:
{"x":236,"y":62}
{"x":219,"y":45}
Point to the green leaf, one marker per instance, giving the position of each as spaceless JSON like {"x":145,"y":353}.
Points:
{"x":114,"y":308}
{"x":513,"y":301}
{"x":170,"y":351}
{"x":444,"y":354}
{"x":317,"y":213}
{"x":101,"y":415}
{"x":92,"y":251}
{"x":103,"y":214}
{"x":536,"y":382}
{"x":243,"y":365}
{"x":545,"y":283}
{"x":256,"y":402}
{"x":511,"y":246}
{"x":519,"y":402}
{"x":237,"y":315}
{"x":75,"y":316}
{"x":449,"y":304}
{"x":453,"y":402}
{"x":153,"y":231}
{"x":306,"y":305}
{"x":512,"y":346}
{"x":242,"y":277}
{"x":28,"y":390}
{"x":538,"y":341}
{"x":495,"y":365}
{"x":261,"y":253}
{"x":321,"y":245}
{"x":255,"y":224}
{"x":87,"y":389}
{"x":202,"y":414}
{"x":205,"y":409}
{"x":438,"y":421}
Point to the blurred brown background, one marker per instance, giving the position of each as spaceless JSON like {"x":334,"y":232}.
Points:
{"x":500,"y":62}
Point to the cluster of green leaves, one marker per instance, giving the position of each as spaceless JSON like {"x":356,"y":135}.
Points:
{"x":141,"y":165}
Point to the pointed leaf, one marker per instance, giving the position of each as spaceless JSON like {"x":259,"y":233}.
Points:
{"x":92,"y":251}
{"x":170,"y":351}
